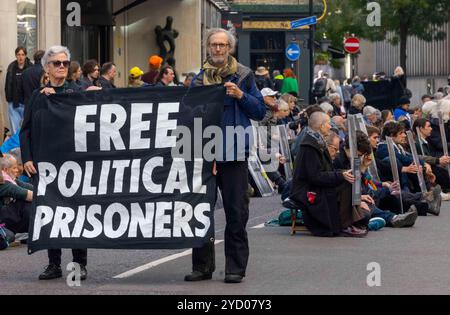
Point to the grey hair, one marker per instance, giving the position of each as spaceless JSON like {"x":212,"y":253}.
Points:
{"x":326,"y":107}
{"x":282,"y":105}
{"x":317,"y":119}
{"x":53,"y":51}
{"x":7,"y":161}
{"x":232,"y":41}
{"x":444,"y":107}
{"x":358,"y":101}
{"x":438,"y":96}
{"x":334,"y":96}
{"x":369,"y":110}
{"x":330,"y":138}
{"x":429,"y":107}
{"x":16,"y":153}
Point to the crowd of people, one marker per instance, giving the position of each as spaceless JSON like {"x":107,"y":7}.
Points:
{"x":322,"y":179}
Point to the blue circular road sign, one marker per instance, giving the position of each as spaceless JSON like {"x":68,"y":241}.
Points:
{"x":293,"y":52}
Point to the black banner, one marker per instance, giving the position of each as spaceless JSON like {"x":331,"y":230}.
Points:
{"x":112,"y":174}
{"x":384,"y":94}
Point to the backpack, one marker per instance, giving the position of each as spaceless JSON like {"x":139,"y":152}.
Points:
{"x":6,"y":237}
{"x":320,"y":87}
{"x":285,"y":218}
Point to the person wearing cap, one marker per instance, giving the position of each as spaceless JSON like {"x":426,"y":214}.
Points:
{"x":262,"y":78}
{"x":155,"y":63}
{"x":135,"y":78}
{"x":270,"y":99}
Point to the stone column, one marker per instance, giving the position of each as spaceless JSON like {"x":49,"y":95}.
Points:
{"x":8,"y":40}
{"x":49,"y":24}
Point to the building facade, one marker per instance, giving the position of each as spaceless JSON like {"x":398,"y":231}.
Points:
{"x":122,"y":31}
{"x":428,"y":63}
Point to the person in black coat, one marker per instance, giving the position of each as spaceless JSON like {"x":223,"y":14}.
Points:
{"x":14,"y":88}
{"x":56,"y":61}
{"x":31,"y":78}
{"x":107,"y":75}
{"x":315,"y":180}
{"x":435,"y":140}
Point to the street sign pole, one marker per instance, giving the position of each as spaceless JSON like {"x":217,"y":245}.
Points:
{"x":311,"y":60}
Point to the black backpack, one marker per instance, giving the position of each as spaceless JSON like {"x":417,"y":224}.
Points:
{"x":320,"y":87}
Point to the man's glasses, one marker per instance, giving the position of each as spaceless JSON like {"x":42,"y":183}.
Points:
{"x":58,"y":63}
{"x":221,"y":46}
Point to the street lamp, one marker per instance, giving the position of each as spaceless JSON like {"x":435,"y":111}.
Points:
{"x":325,"y":43}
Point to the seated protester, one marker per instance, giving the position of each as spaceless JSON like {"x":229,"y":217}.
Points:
{"x":434,"y":140}
{"x":357,"y":105}
{"x":304,"y":127}
{"x":17,"y":154}
{"x":428,"y":108}
{"x":293,"y":109}
{"x":438,"y":164}
{"x":338,"y":106}
{"x":401,"y":113}
{"x":316,"y":184}
{"x":387,"y":200}
{"x":339,"y":126}
{"x":327,"y":108}
{"x":408,"y":171}
{"x":15,"y":197}
{"x":271,"y":159}
{"x":371,"y":190}
{"x":370,"y":115}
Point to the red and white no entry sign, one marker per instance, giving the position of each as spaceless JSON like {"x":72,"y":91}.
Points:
{"x":352,"y":45}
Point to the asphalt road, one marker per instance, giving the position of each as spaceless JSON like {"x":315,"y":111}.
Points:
{"x":411,"y":261}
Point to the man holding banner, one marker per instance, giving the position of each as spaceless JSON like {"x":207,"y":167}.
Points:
{"x":56,"y":63}
{"x":242,"y":103}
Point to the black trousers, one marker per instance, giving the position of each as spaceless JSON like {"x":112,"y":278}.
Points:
{"x":232,"y":179}
{"x":79,"y":256}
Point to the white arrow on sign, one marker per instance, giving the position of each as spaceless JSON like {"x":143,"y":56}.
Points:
{"x":291,"y":52}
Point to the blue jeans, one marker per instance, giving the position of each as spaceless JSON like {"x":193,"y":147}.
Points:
{"x":15,"y":116}
{"x":386,"y":215}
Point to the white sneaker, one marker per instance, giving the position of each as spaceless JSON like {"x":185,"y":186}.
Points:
{"x":445,"y":196}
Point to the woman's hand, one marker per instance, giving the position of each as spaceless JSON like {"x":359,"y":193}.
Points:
{"x":29,"y":168}
{"x":48,"y":91}
{"x":348,"y":176}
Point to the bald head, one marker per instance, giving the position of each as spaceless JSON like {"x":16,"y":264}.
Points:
{"x":317,"y":120}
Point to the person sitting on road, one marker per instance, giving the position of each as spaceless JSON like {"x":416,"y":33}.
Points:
{"x":316,"y":184}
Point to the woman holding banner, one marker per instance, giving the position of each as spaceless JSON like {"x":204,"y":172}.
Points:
{"x":56,"y":62}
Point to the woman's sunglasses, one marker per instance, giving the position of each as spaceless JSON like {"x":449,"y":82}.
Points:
{"x":58,"y":64}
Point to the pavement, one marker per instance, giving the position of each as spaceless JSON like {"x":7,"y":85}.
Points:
{"x":409,"y":261}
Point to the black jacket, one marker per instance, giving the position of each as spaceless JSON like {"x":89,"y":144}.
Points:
{"x":435,"y":141}
{"x":31,"y":80}
{"x":13,"y":87}
{"x":314,"y":173}
{"x":105,"y":84}
{"x":31,"y":109}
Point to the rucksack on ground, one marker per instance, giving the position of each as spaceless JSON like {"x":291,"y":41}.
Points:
{"x":6,"y":237}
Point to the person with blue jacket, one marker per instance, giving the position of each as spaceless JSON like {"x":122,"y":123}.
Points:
{"x":243,"y":102}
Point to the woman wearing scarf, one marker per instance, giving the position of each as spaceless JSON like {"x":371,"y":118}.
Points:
{"x":243,"y":102}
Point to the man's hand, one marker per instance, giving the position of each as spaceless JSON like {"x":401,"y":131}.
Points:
{"x":444,"y":161}
{"x":348,"y":176}
{"x":412,"y":169}
{"x":364,"y":206}
{"x":29,"y":168}
{"x":367,"y":199}
{"x":234,"y":91}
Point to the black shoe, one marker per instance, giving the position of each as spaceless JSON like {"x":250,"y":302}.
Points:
{"x":83,"y":273}
{"x":198,"y":276}
{"x":407,"y":219}
{"x":51,"y":272}
{"x":233,"y":278}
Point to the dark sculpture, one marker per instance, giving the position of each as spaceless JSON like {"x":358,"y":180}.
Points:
{"x":166,"y":34}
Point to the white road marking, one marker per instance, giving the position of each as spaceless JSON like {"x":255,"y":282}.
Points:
{"x":259,"y":226}
{"x":156,"y":263}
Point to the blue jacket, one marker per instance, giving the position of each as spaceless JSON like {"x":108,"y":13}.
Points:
{"x":238,"y":113}
{"x":11,"y":144}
